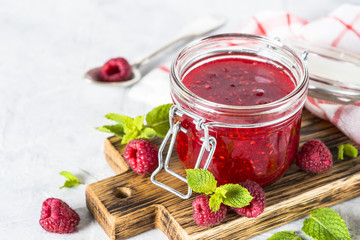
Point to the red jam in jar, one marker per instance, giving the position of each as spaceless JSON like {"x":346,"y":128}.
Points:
{"x":236,"y":81}
{"x":250,"y":90}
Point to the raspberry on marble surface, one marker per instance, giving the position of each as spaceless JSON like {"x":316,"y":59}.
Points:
{"x":58,"y":217}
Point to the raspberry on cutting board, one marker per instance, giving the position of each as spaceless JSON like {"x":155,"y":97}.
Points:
{"x":257,"y":204}
{"x":58,"y":217}
{"x":314,"y":157}
{"x":203,"y":215}
{"x":141,"y":155}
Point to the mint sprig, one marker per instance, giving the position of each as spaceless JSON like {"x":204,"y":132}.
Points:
{"x":233,"y":195}
{"x":347,"y":150}
{"x":71,"y":180}
{"x":323,"y":224}
{"x":129,"y":128}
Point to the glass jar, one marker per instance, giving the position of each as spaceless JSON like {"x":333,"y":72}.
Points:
{"x":237,"y":142}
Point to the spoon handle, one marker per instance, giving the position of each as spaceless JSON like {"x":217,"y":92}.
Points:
{"x":197,"y":28}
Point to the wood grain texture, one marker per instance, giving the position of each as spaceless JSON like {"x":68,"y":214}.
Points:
{"x":128,"y":204}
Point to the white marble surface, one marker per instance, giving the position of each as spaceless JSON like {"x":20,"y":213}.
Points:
{"x":48,"y":114}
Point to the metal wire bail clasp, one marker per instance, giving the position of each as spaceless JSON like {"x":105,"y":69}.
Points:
{"x":209,"y":144}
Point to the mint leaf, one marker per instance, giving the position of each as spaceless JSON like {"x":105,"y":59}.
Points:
{"x":215,"y":201}
{"x":325,"y":224}
{"x":347,"y":150}
{"x":139,"y":122}
{"x":221,"y":191}
{"x":217,"y":198}
{"x":71,"y":180}
{"x":117,"y":129}
{"x":158,"y":119}
{"x":147,"y":133}
{"x":130,"y":135}
{"x":350,"y":150}
{"x":201,"y":181}
{"x":125,"y":121}
{"x":341,"y":152}
{"x":236,"y":195}
{"x":285,"y":235}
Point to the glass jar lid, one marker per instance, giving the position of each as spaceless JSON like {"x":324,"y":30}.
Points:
{"x":334,"y":73}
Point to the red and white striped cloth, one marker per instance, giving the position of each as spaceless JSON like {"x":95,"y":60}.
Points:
{"x":340,"y":28}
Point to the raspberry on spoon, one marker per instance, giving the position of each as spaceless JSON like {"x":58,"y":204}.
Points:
{"x":116,"y":70}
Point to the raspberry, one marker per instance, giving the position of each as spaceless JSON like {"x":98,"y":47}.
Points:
{"x":116,"y":70}
{"x":314,"y":157}
{"x":257,"y":205}
{"x":203,"y":215}
{"x":141,"y":155}
{"x":58,"y":217}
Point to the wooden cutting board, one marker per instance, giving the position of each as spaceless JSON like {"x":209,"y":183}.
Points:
{"x":128,"y":204}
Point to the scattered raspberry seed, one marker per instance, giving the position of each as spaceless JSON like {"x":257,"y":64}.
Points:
{"x":58,"y":217}
{"x":257,"y":205}
{"x":203,"y":216}
{"x":314,"y":157}
{"x":116,"y":70}
{"x":141,"y":155}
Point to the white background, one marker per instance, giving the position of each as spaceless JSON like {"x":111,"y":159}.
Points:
{"x":48,"y":113}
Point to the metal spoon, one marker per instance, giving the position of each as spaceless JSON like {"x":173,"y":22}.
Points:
{"x":195,"y":29}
